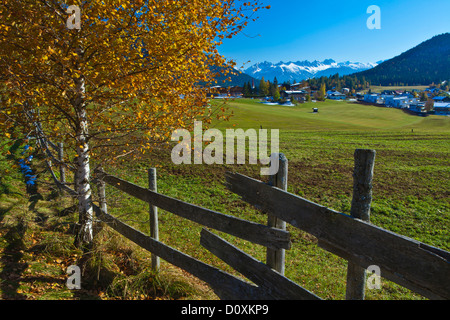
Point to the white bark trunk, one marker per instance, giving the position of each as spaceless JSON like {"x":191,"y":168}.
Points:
{"x":82,"y":182}
{"x":83,"y":186}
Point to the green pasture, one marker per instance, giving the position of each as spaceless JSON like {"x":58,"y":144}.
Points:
{"x":410,"y":188}
{"x":332,"y":115}
{"x":410,"y":182}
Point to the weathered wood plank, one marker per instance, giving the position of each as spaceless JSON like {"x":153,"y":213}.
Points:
{"x":423,"y":267}
{"x":153,"y":214}
{"x":361,"y":202}
{"x":62,"y":168}
{"x":254,"y":232}
{"x":261,"y":274}
{"x":226,"y":286}
{"x":276,"y":258}
{"x":397,"y":278}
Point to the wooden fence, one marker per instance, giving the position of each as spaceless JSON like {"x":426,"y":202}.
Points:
{"x":410,"y":263}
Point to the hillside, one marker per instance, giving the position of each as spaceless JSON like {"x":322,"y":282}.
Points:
{"x":238,"y":78}
{"x":422,"y":65}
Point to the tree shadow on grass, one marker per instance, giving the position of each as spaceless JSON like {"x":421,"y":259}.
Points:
{"x":12,"y":268}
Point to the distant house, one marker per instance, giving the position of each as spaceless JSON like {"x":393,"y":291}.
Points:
{"x":400,"y":102}
{"x":441,"y":99}
{"x":359,"y":96}
{"x":220,"y":92}
{"x":418,"y":107}
{"x":295,"y":86}
{"x":236,"y":92}
{"x":433,"y":90}
{"x":298,"y":86}
{"x":336,"y":95}
{"x":293,"y":94}
{"x":442,"y":108}
{"x":383,"y":97}
{"x":371,"y":97}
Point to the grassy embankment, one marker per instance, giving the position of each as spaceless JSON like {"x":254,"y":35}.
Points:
{"x":410,"y":197}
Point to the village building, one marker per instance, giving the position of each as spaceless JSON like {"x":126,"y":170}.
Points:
{"x":401,"y":102}
{"x":441,"y":99}
{"x":298,"y":95}
{"x":336,"y":95}
{"x":372,"y":97}
{"x":298,"y":86}
{"x":418,"y":108}
{"x":442,"y":108}
{"x":219,"y":92}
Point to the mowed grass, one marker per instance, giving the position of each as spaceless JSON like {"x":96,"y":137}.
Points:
{"x":410,"y":193}
{"x":332,"y":116}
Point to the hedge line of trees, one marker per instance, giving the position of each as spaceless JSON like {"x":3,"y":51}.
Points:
{"x":264,"y":89}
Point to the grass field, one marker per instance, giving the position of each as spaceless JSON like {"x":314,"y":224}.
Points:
{"x":411,"y":193}
{"x":404,"y":88}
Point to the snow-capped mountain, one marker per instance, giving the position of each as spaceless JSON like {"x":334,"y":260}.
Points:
{"x":301,"y":70}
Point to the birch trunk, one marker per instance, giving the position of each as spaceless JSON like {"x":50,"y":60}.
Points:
{"x":85,"y":208}
{"x":82,"y":183}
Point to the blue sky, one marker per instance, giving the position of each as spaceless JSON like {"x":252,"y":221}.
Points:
{"x":294,"y":30}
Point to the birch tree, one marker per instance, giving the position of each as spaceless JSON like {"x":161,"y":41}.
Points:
{"x":116,"y":86}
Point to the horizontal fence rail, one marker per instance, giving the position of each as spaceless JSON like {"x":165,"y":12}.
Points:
{"x":247,"y":230}
{"x":226,"y":286}
{"x":410,"y":263}
{"x":261,"y":274}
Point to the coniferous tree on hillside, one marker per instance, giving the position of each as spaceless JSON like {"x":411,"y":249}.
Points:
{"x":263,"y":87}
{"x":426,"y":63}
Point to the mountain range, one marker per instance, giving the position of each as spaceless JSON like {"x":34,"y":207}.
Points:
{"x":424,"y":64}
{"x":302,"y":70}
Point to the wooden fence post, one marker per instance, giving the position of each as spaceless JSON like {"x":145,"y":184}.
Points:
{"x":276,"y":258}
{"x":62,"y":167}
{"x":75,"y":175}
{"x":101,"y":185}
{"x":153,"y":212}
{"x":362,"y":199}
{"x":101,"y":189}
